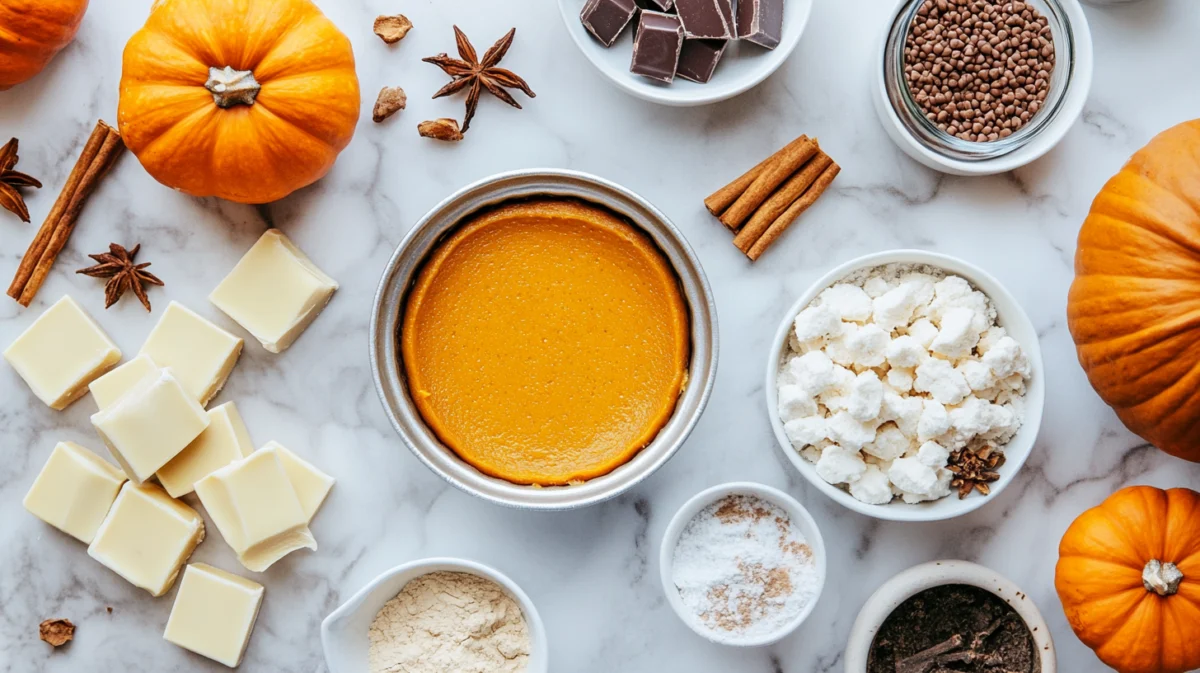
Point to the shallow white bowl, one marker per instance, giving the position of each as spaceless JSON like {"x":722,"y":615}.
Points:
{"x":344,"y":632}
{"x":937,"y":573}
{"x":1009,"y":315}
{"x":800,"y":516}
{"x":743,"y":66}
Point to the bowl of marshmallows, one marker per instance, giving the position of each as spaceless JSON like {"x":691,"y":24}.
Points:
{"x":906,"y":385}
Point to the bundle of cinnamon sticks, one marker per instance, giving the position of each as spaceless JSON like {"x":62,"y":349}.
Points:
{"x":761,"y":204}
{"x":103,"y":148}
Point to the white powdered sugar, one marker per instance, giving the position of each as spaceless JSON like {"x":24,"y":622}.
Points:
{"x":890,"y":372}
{"x":744,"y":569}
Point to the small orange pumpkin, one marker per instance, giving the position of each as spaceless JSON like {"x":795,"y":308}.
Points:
{"x":248,"y":100}
{"x":32,"y":32}
{"x":1128,"y":577}
{"x":1134,"y":308}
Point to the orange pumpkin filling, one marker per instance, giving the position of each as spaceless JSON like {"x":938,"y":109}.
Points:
{"x":546,"y":342}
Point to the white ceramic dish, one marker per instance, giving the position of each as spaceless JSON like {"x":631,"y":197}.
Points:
{"x":937,"y":573}
{"x":1078,"y":83}
{"x":743,"y":66}
{"x":344,"y":631}
{"x":800,"y":516}
{"x":1010,"y":316}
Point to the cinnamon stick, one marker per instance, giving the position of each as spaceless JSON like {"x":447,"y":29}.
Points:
{"x":779,"y":202}
{"x":719,"y":201}
{"x":99,"y":153}
{"x":801,"y":204}
{"x":795,"y":155}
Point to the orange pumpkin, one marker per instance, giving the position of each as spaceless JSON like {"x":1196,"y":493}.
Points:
{"x":1128,"y":577}
{"x":1134,"y":308}
{"x":248,"y":100}
{"x":32,"y":32}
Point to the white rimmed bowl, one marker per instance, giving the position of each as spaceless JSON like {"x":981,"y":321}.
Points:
{"x":1009,"y":315}
{"x":743,"y":66}
{"x":666,"y":557}
{"x":1069,"y":91}
{"x":344,"y":632}
{"x":938,"y":573}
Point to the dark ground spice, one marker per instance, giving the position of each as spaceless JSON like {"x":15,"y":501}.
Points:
{"x":954,"y":628}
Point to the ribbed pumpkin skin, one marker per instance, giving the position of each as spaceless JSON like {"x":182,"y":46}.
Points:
{"x":1099,"y":580}
{"x":32,"y":32}
{"x":304,"y":115}
{"x":1134,"y":308}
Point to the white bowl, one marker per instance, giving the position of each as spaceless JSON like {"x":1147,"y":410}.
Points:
{"x":743,"y":66}
{"x":1009,"y":315}
{"x":344,"y":632}
{"x":937,"y":573}
{"x":666,"y":557}
{"x":1078,"y":85}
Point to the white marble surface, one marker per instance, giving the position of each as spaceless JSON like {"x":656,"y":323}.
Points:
{"x":593,"y":573}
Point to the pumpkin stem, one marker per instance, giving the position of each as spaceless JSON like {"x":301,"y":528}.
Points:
{"x":1161,"y":578}
{"x":231,"y":87}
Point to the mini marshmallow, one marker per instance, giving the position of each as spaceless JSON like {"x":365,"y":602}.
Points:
{"x":905,"y":411}
{"x":894,"y":308}
{"x":850,"y":302}
{"x":889,"y":443}
{"x":805,"y":431}
{"x":989,"y":337}
{"x":849,"y":432}
{"x":942,"y":381}
{"x":906,"y":351}
{"x":836,"y":396}
{"x":934,"y":421}
{"x":1005,"y":358}
{"x":795,"y":402}
{"x":812,"y":371}
{"x":977,"y":375}
{"x":838,"y":348}
{"x":933,"y":454}
{"x":816,"y":322}
{"x":866,"y":396}
{"x":901,"y":380}
{"x":840,"y":466}
{"x":957,"y":337}
{"x":872,"y":487}
{"x":923,"y":331}
{"x":876,"y":286}
{"x":921,"y":285}
{"x":868,"y":345}
{"x":941,"y":489}
{"x":910,"y":475}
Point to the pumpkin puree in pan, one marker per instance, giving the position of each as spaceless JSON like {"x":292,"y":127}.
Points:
{"x":546,"y":342}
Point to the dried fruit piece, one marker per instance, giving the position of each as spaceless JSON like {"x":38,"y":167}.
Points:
{"x":57,"y":632}
{"x":440,"y":129}
{"x":392,"y":99}
{"x":392,"y":29}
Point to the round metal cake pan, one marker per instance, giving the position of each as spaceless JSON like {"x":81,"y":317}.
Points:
{"x":401,"y":271}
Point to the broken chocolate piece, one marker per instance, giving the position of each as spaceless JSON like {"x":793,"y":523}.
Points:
{"x":606,"y":19}
{"x":706,"y":19}
{"x":657,"y":45}
{"x":652,"y":5}
{"x":760,"y":22}
{"x":699,"y":59}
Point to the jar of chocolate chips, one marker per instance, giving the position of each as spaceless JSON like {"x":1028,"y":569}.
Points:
{"x":976,"y":79}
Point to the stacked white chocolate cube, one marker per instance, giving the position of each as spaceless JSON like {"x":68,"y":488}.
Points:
{"x":201,"y":354}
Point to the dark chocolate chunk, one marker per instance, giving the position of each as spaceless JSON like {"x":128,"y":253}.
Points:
{"x":606,"y":19}
{"x":706,"y":19}
{"x":699,"y":59}
{"x":657,"y":45}
{"x":760,"y":22}
{"x":657,"y":5}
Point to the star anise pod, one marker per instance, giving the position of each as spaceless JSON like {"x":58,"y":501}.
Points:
{"x":10,"y":180}
{"x":974,"y":469}
{"x":475,"y":74}
{"x":117,"y":266}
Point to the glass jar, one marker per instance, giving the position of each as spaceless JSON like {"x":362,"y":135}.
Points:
{"x":926,"y":133}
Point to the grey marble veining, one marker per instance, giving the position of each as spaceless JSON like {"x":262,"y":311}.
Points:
{"x":593,"y":573}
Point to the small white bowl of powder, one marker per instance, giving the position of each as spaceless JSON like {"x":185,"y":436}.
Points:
{"x":743,"y":564}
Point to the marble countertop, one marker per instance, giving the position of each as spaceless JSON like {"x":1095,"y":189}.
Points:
{"x":593,"y":573}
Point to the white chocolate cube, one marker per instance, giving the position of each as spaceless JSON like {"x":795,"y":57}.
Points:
{"x":311,"y":484}
{"x":222,"y":442}
{"x":61,"y":353}
{"x":275,"y":291}
{"x":214,"y":613}
{"x":110,"y":387}
{"x":147,"y":537}
{"x":74,"y":491}
{"x":201,"y":353}
{"x":253,"y":504}
{"x":150,"y":425}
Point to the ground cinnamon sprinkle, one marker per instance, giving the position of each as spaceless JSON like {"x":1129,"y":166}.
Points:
{"x":744,"y":568}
